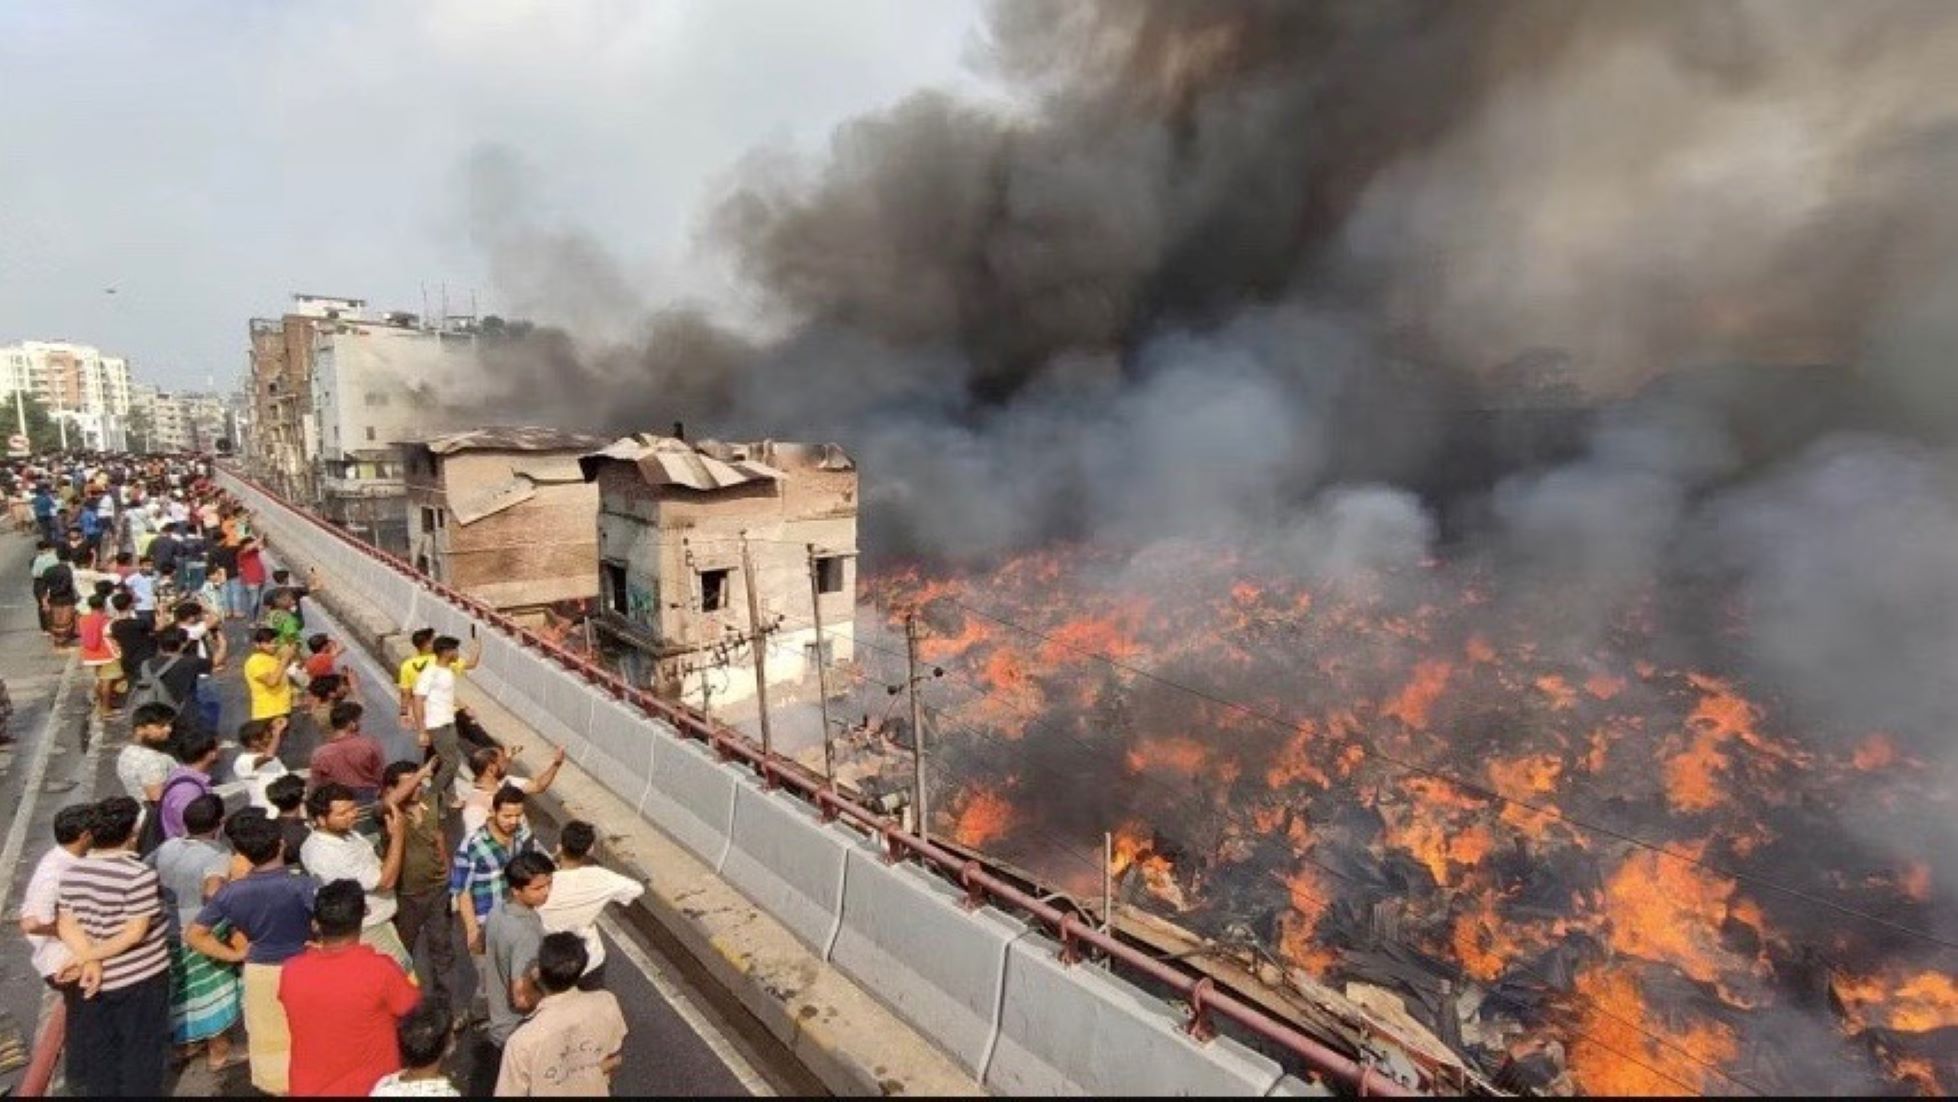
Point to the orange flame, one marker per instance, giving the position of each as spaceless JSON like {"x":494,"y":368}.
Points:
{"x":1414,"y":703}
{"x":1663,"y":1061}
{"x":984,"y":817}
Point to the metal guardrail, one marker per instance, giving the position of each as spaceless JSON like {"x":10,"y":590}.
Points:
{"x":981,"y":886}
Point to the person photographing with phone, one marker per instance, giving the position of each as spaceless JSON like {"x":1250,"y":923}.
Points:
{"x":434,"y":712}
{"x":268,"y":674}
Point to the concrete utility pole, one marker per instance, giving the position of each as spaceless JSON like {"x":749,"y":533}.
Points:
{"x":822,"y":666}
{"x":1108,"y":889}
{"x":757,"y":641}
{"x":20,"y":413}
{"x":917,"y":729}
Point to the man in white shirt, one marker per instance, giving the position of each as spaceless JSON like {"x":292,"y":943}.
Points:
{"x":490,"y":765}
{"x":580,"y":891}
{"x":52,"y":961}
{"x":433,"y":708}
{"x":143,"y":765}
{"x":335,"y":852}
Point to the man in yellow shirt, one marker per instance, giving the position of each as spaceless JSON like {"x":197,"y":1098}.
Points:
{"x":267,"y":675}
{"x":412,"y":667}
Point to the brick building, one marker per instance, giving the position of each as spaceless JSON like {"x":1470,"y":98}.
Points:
{"x":505,"y":515}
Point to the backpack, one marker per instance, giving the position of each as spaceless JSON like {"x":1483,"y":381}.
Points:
{"x":150,"y":688}
{"x":150,"y":834}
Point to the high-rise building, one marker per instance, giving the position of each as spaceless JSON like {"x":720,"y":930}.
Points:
{"x":178,"y":422}
{"x":79,"y":386}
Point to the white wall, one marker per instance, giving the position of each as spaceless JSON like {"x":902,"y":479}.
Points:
{"x":366,"y":379}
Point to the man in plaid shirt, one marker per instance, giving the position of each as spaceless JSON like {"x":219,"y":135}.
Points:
{"x":476,"y":876}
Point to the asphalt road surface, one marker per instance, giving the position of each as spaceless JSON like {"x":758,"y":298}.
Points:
{"x":677,"y":1044}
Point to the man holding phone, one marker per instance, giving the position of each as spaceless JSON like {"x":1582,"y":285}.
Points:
{"x":433,"y":705}
{"x":268,"y":674}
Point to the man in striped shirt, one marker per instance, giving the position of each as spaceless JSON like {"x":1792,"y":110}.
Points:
{"x":110,"y":915}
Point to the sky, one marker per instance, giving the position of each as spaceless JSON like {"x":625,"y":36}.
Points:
{"x":208,"y":159}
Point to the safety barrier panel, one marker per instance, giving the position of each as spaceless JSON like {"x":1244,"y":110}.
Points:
{"x":794,"y":872}
{"x":1005,"y":1001}
{"x":907,"y":933}
{"x":1051,"y":1013}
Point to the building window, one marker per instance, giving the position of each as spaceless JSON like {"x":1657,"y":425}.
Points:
{"x":441,"y":518}
{"x":428,"y":520}
{"x":713,"y":590}
{"x":370,"y":432}
{"x":615,"y":592}
{"x":826,"y":653}
{"x":829,"y":574}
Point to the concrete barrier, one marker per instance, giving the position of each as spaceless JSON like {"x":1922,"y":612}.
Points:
{"x":794,"y":872}
{"x":621,"y":734}
{"x":692,"y":798}
{"x":906,"y":937}
{"x":1079,"y":1030}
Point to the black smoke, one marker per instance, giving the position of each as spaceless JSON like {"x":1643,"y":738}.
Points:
{"x":1601,"y":300}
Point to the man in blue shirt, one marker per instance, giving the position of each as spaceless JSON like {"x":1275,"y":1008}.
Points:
{"x":273,"y":908}
{"x":44,"y":509}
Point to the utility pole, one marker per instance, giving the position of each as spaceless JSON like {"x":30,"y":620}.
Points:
{"x":20,"y":412}
{"x":1108,"y":887}
{"x":822,"y":666}
{"x":757,"y":642}
{"x":917,"y":729}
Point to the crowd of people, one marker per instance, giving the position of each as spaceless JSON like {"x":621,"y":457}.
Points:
{"x":307,"y":927}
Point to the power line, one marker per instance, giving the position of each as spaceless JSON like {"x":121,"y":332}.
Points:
{"x":1471,"y":787}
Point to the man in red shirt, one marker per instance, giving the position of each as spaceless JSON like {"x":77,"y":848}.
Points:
{"x":349,"y":757}
{"x":342,"y":999}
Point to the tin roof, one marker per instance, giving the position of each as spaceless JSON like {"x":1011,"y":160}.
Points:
{"x":516,"y":438}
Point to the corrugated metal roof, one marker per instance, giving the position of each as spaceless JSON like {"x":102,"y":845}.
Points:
{"x":668,"y":461}
{"x":519,"y":438}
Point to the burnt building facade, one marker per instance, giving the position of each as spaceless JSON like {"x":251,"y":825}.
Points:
{"x":681,"y":524}
{"x":504,"y":515}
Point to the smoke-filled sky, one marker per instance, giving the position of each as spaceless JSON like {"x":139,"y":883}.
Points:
{"x":208,"y":158}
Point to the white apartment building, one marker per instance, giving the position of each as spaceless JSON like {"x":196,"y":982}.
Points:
{"x":79,"y":386}
{"x":376,"y":383}
{"x":180,"y":422}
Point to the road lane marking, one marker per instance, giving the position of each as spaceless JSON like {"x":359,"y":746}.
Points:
{"x":37,"y":772}
{"x":716,"y":1042}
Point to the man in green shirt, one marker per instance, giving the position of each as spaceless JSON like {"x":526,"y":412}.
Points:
{"x":421,"y":895}
{"x":283,"y":617}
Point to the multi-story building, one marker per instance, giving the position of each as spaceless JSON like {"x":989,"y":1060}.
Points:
{"x":178,"y":422}
{"x":673,"y":520}
{"x":88,"y":392}
{"x":505,"y":515}
{"x":376,"y":383}
{"x":283,"y":448}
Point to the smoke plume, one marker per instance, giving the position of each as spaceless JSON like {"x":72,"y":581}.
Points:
{"x":1613,"y":303}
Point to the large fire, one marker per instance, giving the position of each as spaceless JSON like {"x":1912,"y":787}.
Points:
{"x":1603,"y":843}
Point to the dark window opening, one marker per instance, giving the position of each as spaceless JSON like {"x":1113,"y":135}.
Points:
{"x":615,"y":587}
{"x":812,"y":655}
{"x":428,"y":519}
{"x":829,"y":574}
{"x":441,"y":518}
{"x":713,"y":590}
